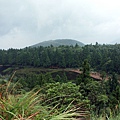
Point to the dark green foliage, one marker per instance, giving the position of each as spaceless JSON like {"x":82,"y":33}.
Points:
{"x":86,"y":69}
{"x":64,"y":94}
{"x":100,"y":57}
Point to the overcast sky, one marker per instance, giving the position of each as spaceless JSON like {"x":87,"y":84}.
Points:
{"x":27,"y":22}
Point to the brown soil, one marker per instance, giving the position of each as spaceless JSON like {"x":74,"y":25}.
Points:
{"x":95,"y":75}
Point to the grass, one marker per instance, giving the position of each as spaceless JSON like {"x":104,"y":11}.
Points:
{"x":29,"y":106}
{"x":117,"y":117}
{"x":19,"y":106}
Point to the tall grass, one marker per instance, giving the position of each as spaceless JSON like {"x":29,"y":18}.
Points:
{"x":28,"y":106}
{"x":106,"y":117}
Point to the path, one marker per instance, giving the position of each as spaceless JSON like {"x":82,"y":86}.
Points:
{"x":95,"y":75}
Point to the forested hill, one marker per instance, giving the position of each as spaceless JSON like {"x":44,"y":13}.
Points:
{"x":100,"y":57}
{"x":59,"y":42}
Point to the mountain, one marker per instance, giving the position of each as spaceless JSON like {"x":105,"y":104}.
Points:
{"x":59,"y":42}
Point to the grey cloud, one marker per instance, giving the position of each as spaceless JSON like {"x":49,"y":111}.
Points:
{"x":32,"y":21}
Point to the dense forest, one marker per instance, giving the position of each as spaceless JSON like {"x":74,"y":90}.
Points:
{"x":42,"y":74}
{"x":100,"y":57}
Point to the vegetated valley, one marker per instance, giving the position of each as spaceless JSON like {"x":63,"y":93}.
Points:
{"x":59,"y":83}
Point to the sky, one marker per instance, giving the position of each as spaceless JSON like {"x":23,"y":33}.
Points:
{"x":27,"y":22}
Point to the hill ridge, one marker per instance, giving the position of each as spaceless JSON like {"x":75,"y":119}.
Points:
{"x":58,"y":42}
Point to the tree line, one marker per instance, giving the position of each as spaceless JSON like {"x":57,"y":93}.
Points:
{"x":100,"y":57}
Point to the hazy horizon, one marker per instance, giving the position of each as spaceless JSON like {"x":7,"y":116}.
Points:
{"x":27,"y":22}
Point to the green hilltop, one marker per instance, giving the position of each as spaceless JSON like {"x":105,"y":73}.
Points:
{"x":59,"y":42}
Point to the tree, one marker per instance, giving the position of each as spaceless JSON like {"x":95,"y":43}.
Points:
{"x":48,"y":78}
{"x":103,"y":75}
{"x":46,"y":59}
{"x":63,"y":93}
{"x":58,"y":78}
{"x":86,"y":69}
{"x":113,"y":82}
{"x":64,"y":78}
